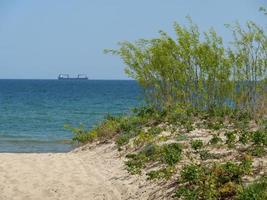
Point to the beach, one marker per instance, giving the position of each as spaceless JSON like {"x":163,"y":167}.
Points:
{"x":84,"y":174}
{"x":148,"y":100}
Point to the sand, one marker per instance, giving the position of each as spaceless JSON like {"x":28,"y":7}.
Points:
{"x":84,"y":174}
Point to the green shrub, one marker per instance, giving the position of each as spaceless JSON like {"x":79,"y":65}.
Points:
{"x":107,"y":129}
{"x":230,"y":172}
{"x":260,"y":138}
{"x":243,"y":115}
{"x":189,"y":126}
{"x":254,"y":191}
{"x":143,"y":138}
{"x":241,"y":119}
{"x":215,"y":139}
{"x":85,"y":136}
{"x":178,"y":115}
{"x":191,"y":173}
{"x":82,"y":135}
{"x":245,"y":137}
{"x":210,"y":182}
{"x":197,"y":144}
{"x":214,"y":125}
{"x":246,"y":164}
{"x":122,"y":139}
{"x":145,"y":111}
{"x":197,"y":72}
{"x":187,"y":193}
{"x":136,"y":162}
{"x":204,"y":155}
{"x":228,"y":190}
{"x":152,"y":151}
{"x":230,"y":138}
{"x":257,"y":151}
{"x":172,"y":153}
{"x":164,"y":173}
{"x":132,"y":126}
{"x":263,"y":124}
{"x":155,"y":131}
{"x":168,"y":154}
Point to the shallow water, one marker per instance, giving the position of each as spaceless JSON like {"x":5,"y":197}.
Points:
{"x":34,"y":112}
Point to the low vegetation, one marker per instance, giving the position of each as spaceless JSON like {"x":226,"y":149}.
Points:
{"x":204,"y":128}
{"x":204,"y":163}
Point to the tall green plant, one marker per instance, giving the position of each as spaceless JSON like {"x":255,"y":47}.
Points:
{"x":250,"y":57}
{"x":198,"y":70}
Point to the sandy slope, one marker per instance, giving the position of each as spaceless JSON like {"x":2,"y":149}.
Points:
{"x":96,"y":173}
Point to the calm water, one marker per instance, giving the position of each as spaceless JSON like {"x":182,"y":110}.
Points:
{"x":33,"y":112}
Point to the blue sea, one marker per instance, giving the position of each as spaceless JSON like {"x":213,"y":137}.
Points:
{"x":33,"y":112}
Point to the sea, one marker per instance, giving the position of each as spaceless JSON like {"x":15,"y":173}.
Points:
{"x":33,"y":112}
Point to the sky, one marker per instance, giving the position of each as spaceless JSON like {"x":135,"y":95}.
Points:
{"x":40,"y":39}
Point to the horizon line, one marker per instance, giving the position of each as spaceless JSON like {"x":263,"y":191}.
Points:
{"x":57,"y":79}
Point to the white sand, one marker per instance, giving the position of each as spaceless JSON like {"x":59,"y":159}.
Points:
{"x":92,"y":174}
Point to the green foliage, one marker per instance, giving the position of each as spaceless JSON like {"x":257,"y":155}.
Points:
{"x":81,"y":134}
{"x":155,"y":131}
{"x":230,"y":172}
{"x":228,"y":189}
{"x":242,"y":116}
{"x":187,"y":193}
{"x":147,"y":112}
{"x":230,"y":138}
{"x":107,"y":129}
{"x":215,"y":124}
{"x":143,"y":138}
{"x":196,"y":183}
{"x":263,"y":123}
{"x":215,"y":139}
{"x":164,"y":173}
{"x":191,"y":173}
{"x":197,"y":144}
{"x":172,"y":153}
{"x":216,"y":182}
{"x":168,"y":154}
{"x":136,"y":162}
{"x":122,"y":139}
{"x":249,"y":64}
{"x":180,"y":115}
{"x":257,"y":151}
{"x":259,"y":142}
{"x":246,"y":164}
{"x":245,"y":137}
{"x":200,"y":73}
{"x":260,"y":138}
{"x":254,"y":191}
{"x":132,"y":126}
{"x":189,"y":127}
{"x":128,"y":128}
{"x":190,"y":77}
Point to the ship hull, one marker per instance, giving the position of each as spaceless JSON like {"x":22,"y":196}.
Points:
{"x":72,"y":78}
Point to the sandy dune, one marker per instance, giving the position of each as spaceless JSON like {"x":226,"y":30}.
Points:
{"x":84,"y":174}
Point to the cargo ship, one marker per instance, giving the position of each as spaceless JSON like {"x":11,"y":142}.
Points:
{"x":67,"y":77}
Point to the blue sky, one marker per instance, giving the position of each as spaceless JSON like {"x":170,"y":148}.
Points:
{"x":41,"y":38}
